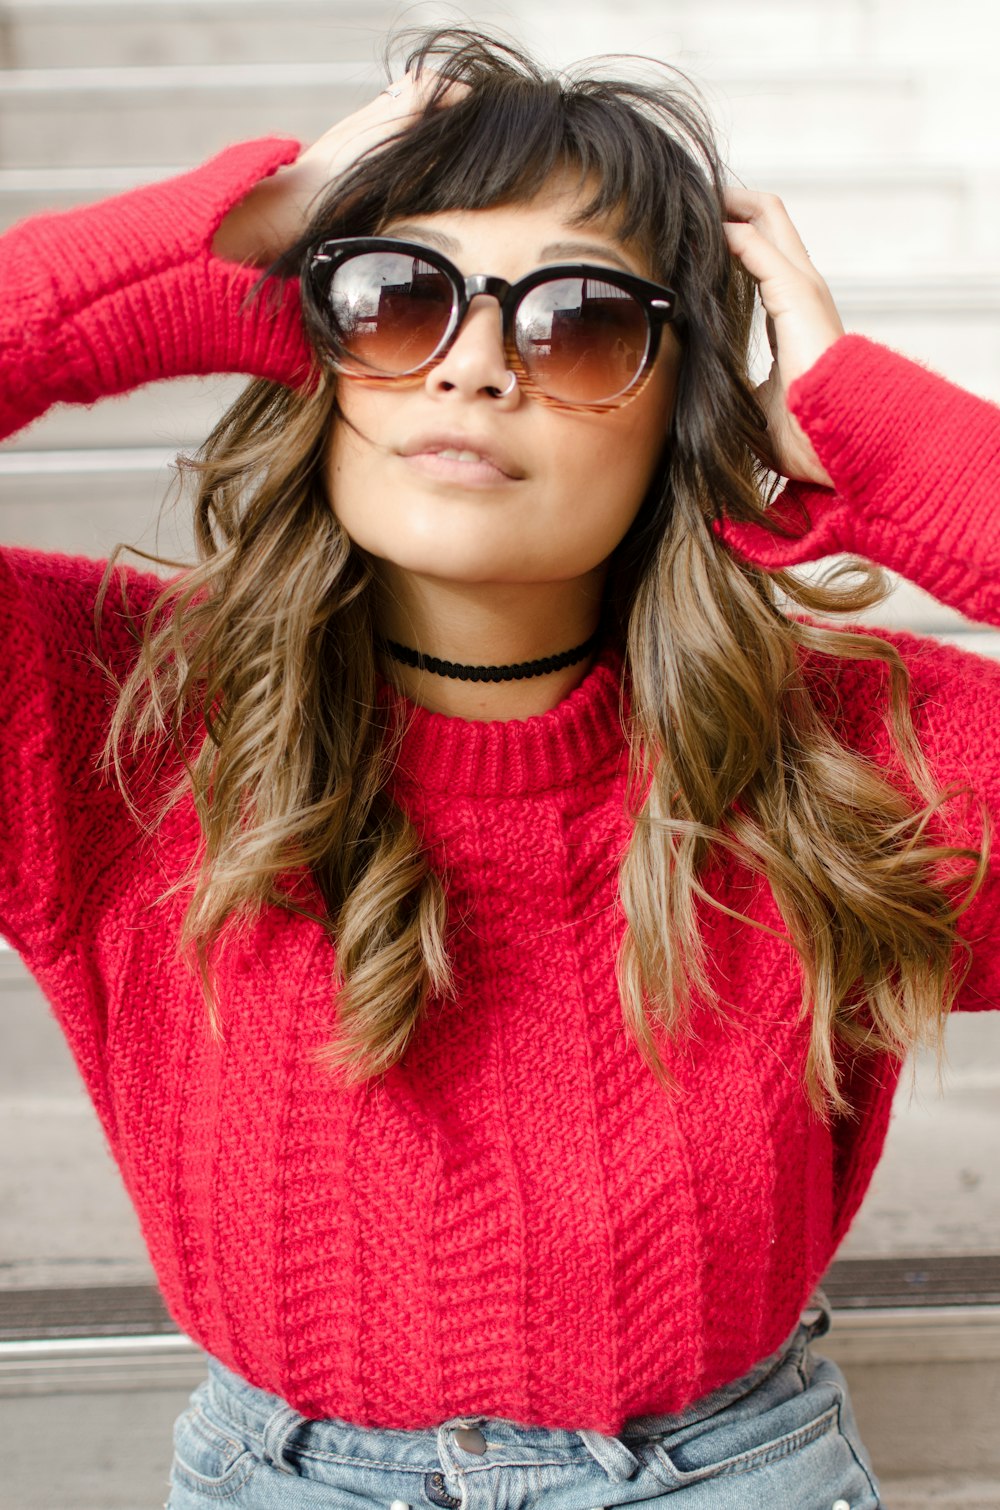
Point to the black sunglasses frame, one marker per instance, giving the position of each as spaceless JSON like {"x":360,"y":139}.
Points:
{"x":658,"y":303}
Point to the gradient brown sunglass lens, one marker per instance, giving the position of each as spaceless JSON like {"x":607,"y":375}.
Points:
{"x":390,"y":310}
{"x":582,"y":340}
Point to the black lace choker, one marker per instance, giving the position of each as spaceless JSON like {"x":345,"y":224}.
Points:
{"x":515,"y":673}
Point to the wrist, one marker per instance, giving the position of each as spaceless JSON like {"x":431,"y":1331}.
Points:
{"x":270,"y":218}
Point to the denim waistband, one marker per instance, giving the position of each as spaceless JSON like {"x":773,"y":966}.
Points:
{"x":268,"y":1424}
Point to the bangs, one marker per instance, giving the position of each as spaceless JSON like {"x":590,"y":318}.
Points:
{"x":642,"y":152}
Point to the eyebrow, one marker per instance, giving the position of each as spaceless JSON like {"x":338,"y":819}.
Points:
{"x":554,"y":249}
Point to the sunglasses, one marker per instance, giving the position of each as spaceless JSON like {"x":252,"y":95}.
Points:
{"x":577,"y":335}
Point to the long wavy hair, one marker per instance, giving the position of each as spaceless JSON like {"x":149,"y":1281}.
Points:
{"x":257,"y":665}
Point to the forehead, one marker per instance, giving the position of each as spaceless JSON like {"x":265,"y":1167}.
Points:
{"x":548,"y":227}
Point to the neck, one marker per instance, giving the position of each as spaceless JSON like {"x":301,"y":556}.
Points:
{"x":487,"y":626}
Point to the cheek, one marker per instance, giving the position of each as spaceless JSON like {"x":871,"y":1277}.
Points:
{"x":617,"y":455}
{"x":650,"y":422}
{"x":350,"y":457}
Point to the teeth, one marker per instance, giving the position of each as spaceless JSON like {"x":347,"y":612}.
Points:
{"x":453,"y":455}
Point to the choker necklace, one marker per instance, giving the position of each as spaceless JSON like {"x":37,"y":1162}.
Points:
{"x":514,"y":673}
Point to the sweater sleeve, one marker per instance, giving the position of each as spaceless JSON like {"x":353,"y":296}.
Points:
{"x":102,"y":299}
{"x":915,"y":461}
{"x":98,"y":301}
{"x":63,"y":823}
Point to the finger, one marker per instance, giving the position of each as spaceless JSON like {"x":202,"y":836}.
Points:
{"x":396,"y":108}
{"x":803,"y":315}
{"x":776,"y":275}
{"x":768,"y":215}
{"x":405,"y":94}
{"x":418,"y":89}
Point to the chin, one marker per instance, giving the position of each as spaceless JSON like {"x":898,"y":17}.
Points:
{"x":451,"y":559}
{"x":465,"y":570}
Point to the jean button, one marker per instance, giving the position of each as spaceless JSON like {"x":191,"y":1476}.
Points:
{"x":470,"y":1439}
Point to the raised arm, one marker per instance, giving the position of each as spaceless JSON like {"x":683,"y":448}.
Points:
{"x":894,"y":463}
{"x":885,"y":458}
{"x":146,"y":285}
{"x":152,"y":284}
{"x":105,"y":298}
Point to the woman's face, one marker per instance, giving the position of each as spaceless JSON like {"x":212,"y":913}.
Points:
{"x":564,"y":486}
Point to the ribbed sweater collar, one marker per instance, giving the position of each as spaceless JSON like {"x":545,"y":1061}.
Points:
{"x":515,"y":757}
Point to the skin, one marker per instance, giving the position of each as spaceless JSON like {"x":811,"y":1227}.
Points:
{"x":515,"y":570}
{"x":512,"y":567}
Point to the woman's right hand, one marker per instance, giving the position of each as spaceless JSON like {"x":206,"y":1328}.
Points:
{"x":276,"y":211}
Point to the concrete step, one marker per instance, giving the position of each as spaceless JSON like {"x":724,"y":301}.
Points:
{"x":33,"y":191}
{"x":949,"y":321}
{"x":918,"y":1391}
{"x":948,"y":1491}
{"x":875,"y":219}
{"x":73,"y":33}
{"x":86,"y":501}
{"x":140,"y":33}
{"x":178,"y":412}
{"x":950,"y":324}
{"x":82,"y":116}
{"x":938,"y":1414}
{"x":76,"y":116}
{"x":890,"y":31}
{"x":693,"y":33}
{"x":785,"y":110}
{"x":907,"y":607}
{"x":68,"y":33}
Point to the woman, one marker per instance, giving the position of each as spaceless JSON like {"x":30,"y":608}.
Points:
{"x":480,"y":733}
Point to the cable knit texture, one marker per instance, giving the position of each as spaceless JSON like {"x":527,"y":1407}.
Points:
{"x":517,"y":1221}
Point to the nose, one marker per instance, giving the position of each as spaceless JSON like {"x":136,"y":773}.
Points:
{"x":475,"y":363}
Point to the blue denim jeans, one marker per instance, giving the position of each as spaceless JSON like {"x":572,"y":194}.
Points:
{"x":781,"y":1438}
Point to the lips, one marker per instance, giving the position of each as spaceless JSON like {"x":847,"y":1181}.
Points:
{"x":433,"y":443}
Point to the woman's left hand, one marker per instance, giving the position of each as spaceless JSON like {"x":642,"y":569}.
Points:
{"x":802,"y":319}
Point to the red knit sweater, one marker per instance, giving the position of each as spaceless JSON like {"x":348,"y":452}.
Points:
{"x":518,"y":1222}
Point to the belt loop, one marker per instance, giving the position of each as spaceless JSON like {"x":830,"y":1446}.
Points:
{"x":277,"y":1430}
{"x":611,"y":1453}
{"x":821,"y":1324}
